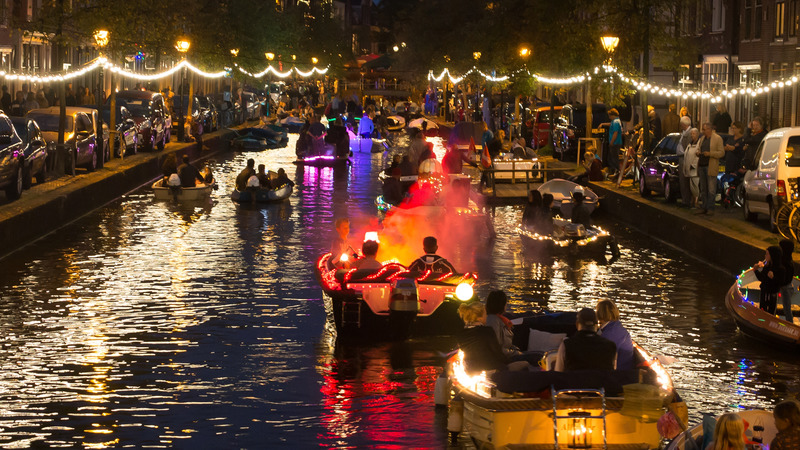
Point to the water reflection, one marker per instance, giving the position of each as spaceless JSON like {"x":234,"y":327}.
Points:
{"x":154,"y":324}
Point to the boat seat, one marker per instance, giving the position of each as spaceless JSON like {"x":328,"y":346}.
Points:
{"x":541,"y":381}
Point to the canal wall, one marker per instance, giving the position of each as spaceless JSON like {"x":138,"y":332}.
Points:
{"x":44,"y":208}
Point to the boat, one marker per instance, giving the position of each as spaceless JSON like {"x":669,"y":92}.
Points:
{"x":395,"y":189}
{"x":431,"y":130}
{"x":545,"y":409}
{"x":741,"y":304}
{"x":262,"y":195}
{"x":260,"y":138}
{"x":369,"y":145}
{"x":395,"y":123}
{"x":752,"y":418}
{"x":329,"y":150}
{"x":569,"y":238}
{"x":181,"y":194}
{"x":393,"y":303}
{"x":518,"y":169}
{"x":292,"y":124}
{"x":561,"y":190}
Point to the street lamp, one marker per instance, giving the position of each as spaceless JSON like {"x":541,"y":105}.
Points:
{"x":270,"y":56}
{"x":182,"y":46}
{"x":524,"y":52}
{"x":314,"y":60}
{"x":396,"y":49}
{"x":101,"y":38}
{"x":235,"y":52}
{"x":609,"y":44}
{"x":476,"y":55}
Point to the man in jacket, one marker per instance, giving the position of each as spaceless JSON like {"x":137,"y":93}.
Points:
{"x":710,"y":150}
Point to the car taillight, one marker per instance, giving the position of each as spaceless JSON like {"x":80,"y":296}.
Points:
{"x":781,"y":188}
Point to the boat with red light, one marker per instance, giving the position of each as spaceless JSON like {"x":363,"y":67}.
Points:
{"x":752,"y":320}
{"x":545,"y":409}
{"x":393,"y":303}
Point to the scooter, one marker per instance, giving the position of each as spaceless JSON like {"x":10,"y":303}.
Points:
{"x":731,"y":188}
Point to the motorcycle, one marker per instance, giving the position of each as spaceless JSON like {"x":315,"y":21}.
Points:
{"x":731,"y":189}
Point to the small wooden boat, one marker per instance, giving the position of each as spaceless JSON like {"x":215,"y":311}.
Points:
{"x":181,"y":194}
{"x":741,"y":303}
{"x":547,"y":409}
{"x":431,"y":128}
{"x":393,"y":303}
{"x":753,"y":418}
{"x":292,"y":124}
{"x":260,"y":138}
{"x":569,"y":238}
{"x":561,"y":191}
{"x":261,"y":195}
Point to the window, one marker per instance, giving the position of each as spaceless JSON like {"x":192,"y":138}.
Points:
{"x":748,"y":19}
{"x":792,"y":18}
{"x":717,"y":16}
{"x":685,"y":19}
{"x":759,"y":16}
{"x":793,"y":152}
{"x":698,"y":19}
{"x":780,"y":20}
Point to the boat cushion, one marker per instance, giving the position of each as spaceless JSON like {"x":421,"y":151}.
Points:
{"x":542,"y":341}
{"x":541,"y":381}
{"x":561,"y":322}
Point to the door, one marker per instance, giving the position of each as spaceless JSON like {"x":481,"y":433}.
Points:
{"x":84,"y":138}
{"x":8,"y":151}
{"x":157,"y":121}
{"x":763,"y":179}
{"x":37,"y":146}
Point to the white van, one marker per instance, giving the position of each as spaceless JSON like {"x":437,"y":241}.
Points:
{"x":769,"y":184}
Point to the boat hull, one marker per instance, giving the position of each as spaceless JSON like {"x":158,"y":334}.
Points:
{"x":262,"y":195}
{"x":181,"y":194}
{"x":322,"y":161}
{"x":754,"y":322}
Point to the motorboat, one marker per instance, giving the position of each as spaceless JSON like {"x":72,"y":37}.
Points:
{"x":328,"y":150}
{"x":568,"y":237}
{"x":260,"y":138}
{"x":431,"y":129}
{"x":545,"y":409}
{"x":562,"y":190}
{"x":395,"y":189}
{"x":393,"y":303}
{"x":741,"y":302}
{"x":395,"y":123}
{"x":263,"y":195}
{"x":760,"y":426}
{"x":181,"y":194}
{"x":292,"y":124}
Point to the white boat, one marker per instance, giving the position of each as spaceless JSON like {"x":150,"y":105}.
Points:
{"x":569,"y":237}
{"x":561,"y":190}
{"x":259,"y":195}
{"x":181,"y":194}
{"x":545,"y":409}
{"x":417,"y":123}
{"x":752,"y":417}
{"x":395,"y":123}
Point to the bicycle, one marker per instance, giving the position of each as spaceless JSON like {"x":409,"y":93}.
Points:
{"x":787,"y":218}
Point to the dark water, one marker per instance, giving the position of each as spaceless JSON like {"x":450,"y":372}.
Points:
{"x":147,"y":324}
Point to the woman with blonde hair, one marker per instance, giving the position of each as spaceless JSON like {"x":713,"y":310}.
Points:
{"x":481,"y":349}
{"x":728,"y":433}
{"x":611,"y":328}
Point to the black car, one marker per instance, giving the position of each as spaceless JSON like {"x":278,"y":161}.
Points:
{"x":34,"y":150}
{"x":209,"y":116}
{"x":127,"y":131}
{"x":570,"y":125}
{"x":658,"y":170}
{"x":12,"y":159}
{"x":153,"y":119}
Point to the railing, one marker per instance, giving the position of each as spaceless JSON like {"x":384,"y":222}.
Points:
{"x":541,"y":174}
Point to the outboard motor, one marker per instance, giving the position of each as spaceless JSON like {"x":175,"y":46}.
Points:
{"x":575,"y":230}
{"x":403,"y":307}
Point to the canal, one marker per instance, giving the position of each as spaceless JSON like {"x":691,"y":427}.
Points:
{"x":150,"y":324}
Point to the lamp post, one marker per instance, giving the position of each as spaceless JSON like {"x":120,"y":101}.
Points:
{"x":477,"y":57}
{"x":524,"y":53}
{"x":101,"y":38}
{"x":609,"y":45}
{"x":182,"y":46}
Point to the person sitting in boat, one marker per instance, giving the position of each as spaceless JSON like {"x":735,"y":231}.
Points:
{"x":586,"y":349}
{"x":454,"y":159}
{"x":406,"y":167}
{"x":431,"y":261}
{"x":787,"y":422}
{"x":366,"y":127}
{"x":315,"y":127}
{"x":245,"y":174}
{"x":263,"y":178}
{"x":341,"y":251}
{"x":611,"y":328}
{"x":728,"y":433}
{"x":208,"y":175}
{"x":369,"y":261}
{"x":189,"y":174}
{"x":533,"y":209}
{"x":544,"y":221}
{"x":418,"y":145}
{"x":282,"y":179}
{"x":771,"y":274}
{"x":478,"y":342}
{"x":169,"y":167}
{"x":580,"y":212}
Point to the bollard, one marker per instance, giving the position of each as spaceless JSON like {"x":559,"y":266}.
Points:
{"x":441,"y":393}
{"x":455,"y":418}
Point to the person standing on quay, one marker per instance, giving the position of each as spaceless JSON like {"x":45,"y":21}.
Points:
{"x":685,"y":124}
{"x":671,"y":121}
{"x":710,"y":151}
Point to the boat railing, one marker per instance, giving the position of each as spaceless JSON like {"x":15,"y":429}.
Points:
{"x":532,"y":175}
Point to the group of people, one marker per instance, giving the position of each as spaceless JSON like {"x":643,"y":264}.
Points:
{"x":184,"y":174}
{"x":729,"y":431}
{"x":600,"y":342}
{"x":775,"y":273}
{"x":249,"y":178}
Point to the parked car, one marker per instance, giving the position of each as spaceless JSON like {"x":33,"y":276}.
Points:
{"x":776,"y":167}
{"x":91,"y":111}
{"x":571,"y":125}
{"x":539,"y":124}
{"x":658,"y":169}
{"x":253,"y":106}
{"x":127,"y":131}
{"x":34,"y":150}
{"x":79,"y":135}
{"x":152,"y":117}
{"x":12,"y":159}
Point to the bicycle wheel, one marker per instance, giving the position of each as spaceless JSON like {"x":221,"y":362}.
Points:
{"x":794,"y":223}
{"x":782,"y":220}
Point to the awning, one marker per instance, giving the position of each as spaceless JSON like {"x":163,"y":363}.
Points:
{"x":744,"y":66}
